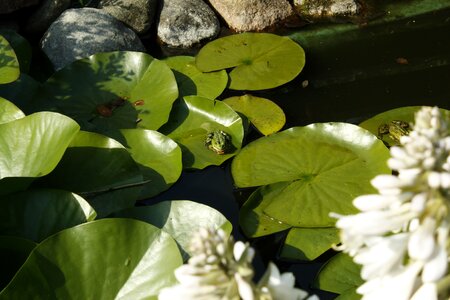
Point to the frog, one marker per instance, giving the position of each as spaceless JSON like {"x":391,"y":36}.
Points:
{"x":218,"y":141}
{"x":395,"y":129}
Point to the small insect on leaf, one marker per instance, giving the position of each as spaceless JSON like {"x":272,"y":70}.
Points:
{"x":138,"y":103}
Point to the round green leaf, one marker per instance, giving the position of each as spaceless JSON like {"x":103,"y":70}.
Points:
{"x":259,"y":60}
{"x":13,"y":253}
{"x":9,"y":65}
{"x":33,"y":145}
{"x":21,"y":46}
{"x":182,"y":219}
{"x":192,"y":118}
{"x":252,"y":219}
{"x":349,"y":294}
{"x":39,"y":213}
{"x":308,"y":243}
{"x":158,"y":158}
{"x":105,"y":259}
{"x":192,"y":81}
{"x":9,"y":112}
{"x":265,"y":115}
{"x":100,"y":170}
{"x":339,"y":275}
{"x":112,"y":90}
{"x":21,"y":92}
{"x":326,"y":164}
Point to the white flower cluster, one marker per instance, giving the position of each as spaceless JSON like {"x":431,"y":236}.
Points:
{"x":221,"y":270}
{"x":400,"y":237}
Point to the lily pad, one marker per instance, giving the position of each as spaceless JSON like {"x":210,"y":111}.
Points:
{"x":158,"y":158}
{"x":182,"y":219}
{"x":308,"y":243}
{"x":191,"y":81}
{"x":114,"y":90}
{"x":100,"y":170}
{"x":192,"y":118}
{"x":9,"y":112}
{"x":259,"y":60}
{"x":265,"y":115}
{"x":327,"y":165}
{"x":339,"y":274}
{"x":104,"y":259}
{"x":21,"y":47}
{"x":37,"y":214}
{"x":9,"y":65}
{"x":21,"y":92}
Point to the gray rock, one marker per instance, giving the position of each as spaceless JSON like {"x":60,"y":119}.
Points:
{"x":137,"y":14}
{"x":328,"y":10}
{"x":185,"y":23}
{"x":253,"y":15}
{"x":48,"y":11}
{"x":79,"y":33}
{"x":7,"y":6}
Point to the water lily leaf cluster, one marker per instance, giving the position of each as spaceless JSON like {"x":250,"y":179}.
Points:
{"x":303,"y":174}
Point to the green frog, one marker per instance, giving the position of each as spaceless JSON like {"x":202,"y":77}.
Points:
{"x":218,"y":141}
{"x":395,"y":129}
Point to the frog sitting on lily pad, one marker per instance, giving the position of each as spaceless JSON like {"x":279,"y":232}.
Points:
{"x":219,"y":142}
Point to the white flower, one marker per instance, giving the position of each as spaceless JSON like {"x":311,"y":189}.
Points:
{"x":400,"y":237}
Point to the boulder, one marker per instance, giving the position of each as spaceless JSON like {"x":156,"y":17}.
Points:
{"x":137,"y":14}
{"x":328,"y":10}
{"x":253,"y":15}
{"x":47,"y":12}
{"x":7,"y":6}
{"x":81,"y":32}
{"x":185,"y":23}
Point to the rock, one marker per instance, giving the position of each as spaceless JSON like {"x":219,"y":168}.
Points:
{"x":81,"y":32}
{"x":137,"y":14}
{"x":185,"y":23}
{"x":7,"y":6}
{"x":253,"y":15}
{"x":328,"y":10}
{"x":48,"y":11}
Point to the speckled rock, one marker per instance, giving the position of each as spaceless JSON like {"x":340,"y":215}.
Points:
{"x":328,"y":10}
{"x":253,"y":15}
{"x":47,"y":12}
{"x":185,"y":23}
{"x":137,"y":14}
{"x":79,"y":33}
{"x":7,"y":6}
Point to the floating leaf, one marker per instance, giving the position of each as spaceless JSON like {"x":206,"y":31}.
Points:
{"x":21,"y":92}
{"x":21,"y":47}
{"x":259,"y":60}
{"x":191,"y":120}
{"x":104,"y":259}
{"x":182,"y":219}
{"x":112,"y":90}
{"x":339,"y":275}
{"x":9,"y":65}
{"x":158,"y":158}
{"x":308,"y":243}
{"x":192,"y":81}
{"x":100,"y":170}
{"x":37,"y":214}
{"x":9,"y":112}
{"x":265,"y":115}
{"x":326,"y":166}
{"x":33,"y":145}
{"x":349,"y":294}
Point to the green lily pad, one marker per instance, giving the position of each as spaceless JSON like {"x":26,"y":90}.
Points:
{"x":349,"y":294}
{"x":327,"y":165}
{"x":100,"y":170}
{"x":104,"y":259}
{"x":265,"y":115}
{"x":252,"y":219}
{"x":259,"y":60}
{"x":9,"y":65}
{"x":37,"y":214}
{"x":21,"y":47}
{"x":113,"y":90}
{"x":309,"y":243}
{"x":192,"y":118}
{"x":339,"y":274}
{"x":158,"y":158}
{"x":13,"y":253}
{"x":21,"y":92}
{"x":32,"y":146}
{"x":9,"y":112}
{"x":191,"y":81}
{"x":182,"y":219}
